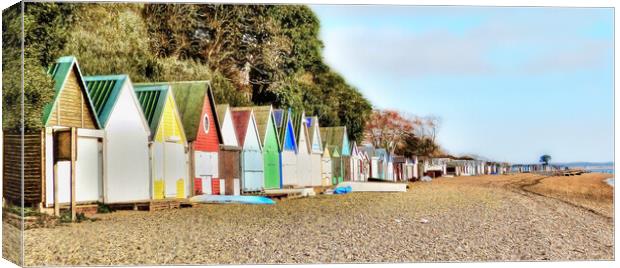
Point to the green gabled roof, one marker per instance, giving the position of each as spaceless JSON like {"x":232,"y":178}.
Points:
{"x":332,"y":136}
{"x":60,"y":72}
{"x":152,"y":98}
{"x":220,"y":110}
{"x":262,"y":115}
{"x":189,"y":97}
{"x":104,"y":91}
{"x":334,"y":150}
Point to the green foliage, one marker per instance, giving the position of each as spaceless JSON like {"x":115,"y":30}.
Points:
{"x":103,"y":208}
{"x":38,"y":86}
{"x":111,"y":39}
{"x":545,"y":159}
{"x":252,"y":54}
{"x":417,"y":146}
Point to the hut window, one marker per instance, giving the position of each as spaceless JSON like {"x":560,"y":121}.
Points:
{"x":206,"y":124}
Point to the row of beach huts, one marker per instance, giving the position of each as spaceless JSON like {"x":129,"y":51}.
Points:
{"x":108,"y":140}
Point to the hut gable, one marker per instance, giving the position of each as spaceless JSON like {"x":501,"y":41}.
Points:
{"x":315,"y":137}
{"x":105,"y":92}
{"x":161,"y":112}
{"x":336,"y":136}
{"x":301,"y":131}
{"x":286,"y":130}
{"x":265,"y":121}
{"x":245,"y":127}
{"x":71,"y":105}
{"x":229,"y":137}
{"x":196,"y":106}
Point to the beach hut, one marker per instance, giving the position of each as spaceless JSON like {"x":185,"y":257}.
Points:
{"x":381,"y":164}
{"x":337,"y":140}
{"x":365,"y":163}
{"x":304,"y":150}
{"x":252,"y":169}
{"x":127,"y":137}
{"x":316,"y":148}
{"x":356,"y":163}
{"x":337,"y":172}
{"x":168,"y":150}
{"x":288,"y":143}
{"x":268,"y":133}
{"x":230,"y":152}
{"x":326,"y":167}
{"x":196,"y":106}
{"x":70,"y":120}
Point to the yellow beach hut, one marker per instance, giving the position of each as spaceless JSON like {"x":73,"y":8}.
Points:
{"x":168,"y":148}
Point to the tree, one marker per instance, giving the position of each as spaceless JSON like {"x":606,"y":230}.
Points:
{"x":545,"y":159}
{"x":417,"y":146}
{"x":387,"y":129}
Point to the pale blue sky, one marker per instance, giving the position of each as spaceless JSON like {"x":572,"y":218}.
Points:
{"x":509,"y":84}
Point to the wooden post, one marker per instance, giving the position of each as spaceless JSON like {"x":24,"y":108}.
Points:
{"x":73,"y":159}
{"x":56,"y":205}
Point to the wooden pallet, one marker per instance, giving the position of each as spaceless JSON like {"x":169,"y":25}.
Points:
{"x":156,"y":205}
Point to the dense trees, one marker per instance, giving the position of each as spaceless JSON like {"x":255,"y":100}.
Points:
{"x":260,"y":54}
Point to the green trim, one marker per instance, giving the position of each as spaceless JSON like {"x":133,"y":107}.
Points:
{"x":104,"y":91}
{"x":60,"y":72}
{"x":152,"y":99}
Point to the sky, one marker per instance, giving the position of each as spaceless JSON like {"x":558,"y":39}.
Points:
{"x":508,"y":83}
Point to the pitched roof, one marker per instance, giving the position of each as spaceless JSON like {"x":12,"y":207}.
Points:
{"x":152,"y":98}
{"x":241,"y":120}
{"x":261,"y":114}
{"x":333,"y":136}
{"x":189,"y":97}
{"x":312,"y":122}
{"x":282,"y":117}
{"x":60,"y":72}
{"x":298,"y":123}
{"x":104,"y":91}
{"x":220,"y":110}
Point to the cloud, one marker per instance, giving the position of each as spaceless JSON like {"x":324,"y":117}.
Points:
{"x":395,"y":53}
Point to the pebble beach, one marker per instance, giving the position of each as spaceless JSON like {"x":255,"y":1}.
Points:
{"x":487,"y":218}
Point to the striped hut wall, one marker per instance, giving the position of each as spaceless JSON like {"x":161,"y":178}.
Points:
{"x":12,"y":167}
{"x":72,"y":107}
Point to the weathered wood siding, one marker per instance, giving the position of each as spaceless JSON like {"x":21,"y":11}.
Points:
{"x":229,"y":165}
{"x":12,"y":167}
{"x":71,"y":109}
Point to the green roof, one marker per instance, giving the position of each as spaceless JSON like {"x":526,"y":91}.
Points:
{"x":152,"y":98}
{"x":220,"y":110}
{"x":60,"y":72}
{"x":332,"y":136}
{"x":104,"y":91}
{"x":189,"y":97}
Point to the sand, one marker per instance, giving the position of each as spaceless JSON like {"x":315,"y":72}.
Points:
{"x":488,"y":218}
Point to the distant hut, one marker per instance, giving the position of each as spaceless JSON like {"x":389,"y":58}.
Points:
{"x":127,"y":137}
{"x":230,"y":152}
{"x":337,"y":140}
{"x":357,"y":164}
{"x":252,"y":169}
{"x":288,"y":143}
{"x":169,"y":157}
{"x":316,"y":146}
{"x":326,"y":167}
{"x":196,"y":105}
{"x":304,"y":150}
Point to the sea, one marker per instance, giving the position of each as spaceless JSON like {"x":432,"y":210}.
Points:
{"x":609,"y":181}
